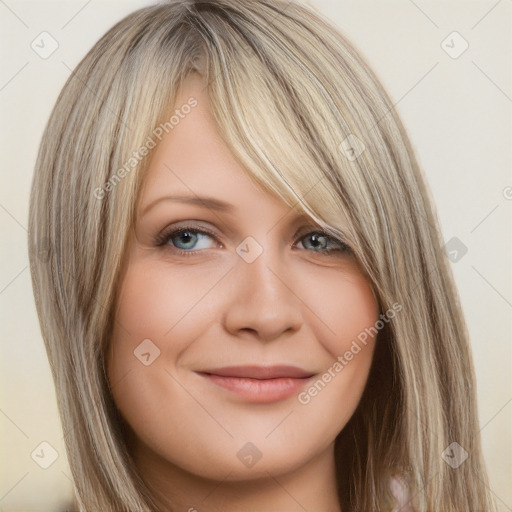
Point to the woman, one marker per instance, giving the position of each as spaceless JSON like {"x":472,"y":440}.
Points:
{"x":313,"y":354}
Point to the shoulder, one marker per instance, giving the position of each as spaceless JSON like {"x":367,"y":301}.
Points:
{"x":400,"y":491}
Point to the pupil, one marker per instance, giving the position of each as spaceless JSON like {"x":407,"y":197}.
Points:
{"x":315,"y":238}
{"x":185,"y":235}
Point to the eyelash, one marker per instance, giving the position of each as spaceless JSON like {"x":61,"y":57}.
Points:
{"x":164,"y":237}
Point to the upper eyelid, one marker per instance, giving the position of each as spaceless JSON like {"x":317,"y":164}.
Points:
{"x":304,"y":222}
{"x":306,"y":229}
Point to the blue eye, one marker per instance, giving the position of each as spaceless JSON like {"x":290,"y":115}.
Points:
{"x":185,"y":240}
{"x":189,"y":240}
{"x":321,"y":241}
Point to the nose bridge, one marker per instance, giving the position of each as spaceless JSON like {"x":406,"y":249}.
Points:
{"x":262,"y":266}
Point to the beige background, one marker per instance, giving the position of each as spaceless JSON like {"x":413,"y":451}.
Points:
{"x":457,"y":112}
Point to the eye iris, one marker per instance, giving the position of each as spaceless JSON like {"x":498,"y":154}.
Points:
{"x":316,"y":237}
{"x":186,"y":235}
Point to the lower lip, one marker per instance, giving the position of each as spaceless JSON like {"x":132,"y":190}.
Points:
{"x":259,"y":390}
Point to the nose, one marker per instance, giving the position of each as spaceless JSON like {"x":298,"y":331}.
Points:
{"x":262,"y":303}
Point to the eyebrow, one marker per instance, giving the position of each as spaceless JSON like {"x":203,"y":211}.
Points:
{"x":204,"y":201}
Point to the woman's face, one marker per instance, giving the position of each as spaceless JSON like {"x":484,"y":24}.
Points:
{"x":234,"y":349}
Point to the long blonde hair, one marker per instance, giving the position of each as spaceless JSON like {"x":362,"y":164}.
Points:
{"x":309,"y":122}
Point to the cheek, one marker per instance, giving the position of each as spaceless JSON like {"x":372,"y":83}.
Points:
{"x":347,"y":308}
{"x":349,"y":312}
{"x":152,"y":306}
{"x":160,"y":304}
{"x":150,"y":302}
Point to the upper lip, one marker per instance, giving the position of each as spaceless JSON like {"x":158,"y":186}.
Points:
{"x":260,"y":372}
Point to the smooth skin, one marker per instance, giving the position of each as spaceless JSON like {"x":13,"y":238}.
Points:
{"x":209,"y":308}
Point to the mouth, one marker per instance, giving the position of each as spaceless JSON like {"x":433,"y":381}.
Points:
{"x":259,"y":384}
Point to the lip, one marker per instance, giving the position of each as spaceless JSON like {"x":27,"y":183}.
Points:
{"x":259,"y":384}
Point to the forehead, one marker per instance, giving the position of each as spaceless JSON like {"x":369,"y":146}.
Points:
{"x":192,"y":161}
